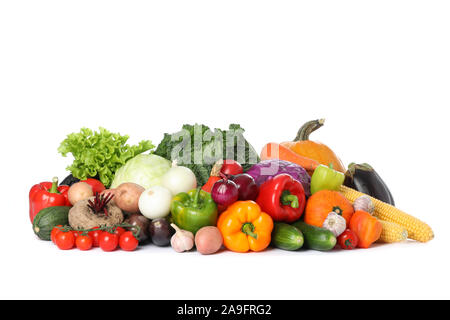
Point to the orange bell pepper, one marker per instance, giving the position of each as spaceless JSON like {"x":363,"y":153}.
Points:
{"x":245,"y":227}
{"x":367,"y":228}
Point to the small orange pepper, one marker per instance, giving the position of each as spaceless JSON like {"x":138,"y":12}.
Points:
{"x":245,"y":227}
{"x":367,"y":228}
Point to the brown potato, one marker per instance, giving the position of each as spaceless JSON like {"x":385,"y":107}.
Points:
{"x":79,"y":191}
{"x":107,"y":191}
{"x":208,"y":240}
{"x":126,"y":196}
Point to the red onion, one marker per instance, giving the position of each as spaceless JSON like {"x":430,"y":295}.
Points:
{"x":225,"y":192}
{"x":248,"y":190}
{"x":231,"y":167}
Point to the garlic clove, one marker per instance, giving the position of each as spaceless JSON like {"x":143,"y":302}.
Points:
{"x":182,"y":240}
{"x":364,"y":203}
{"x":335,"y":223}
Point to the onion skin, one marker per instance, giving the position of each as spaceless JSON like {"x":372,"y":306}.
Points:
{"x":179,"y":179}
{"x":225,"y":192}
{"x":136,"y":219}
{"x":231,"y":167}
{"x":247,"y":188}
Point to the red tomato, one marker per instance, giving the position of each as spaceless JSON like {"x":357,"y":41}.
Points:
{"x":96,"y":185}
{"x":231,"y":167}
{"x":83,"y":242}
{"x":128,"y":242}
{"x":76,"y":233}
{"x":94,"y":236}
{"x":54,"y":232}
{"x":65,"y":240}
{"x":108,"y":241}
{"x":348,"y":240}
{"x":119,"y":231}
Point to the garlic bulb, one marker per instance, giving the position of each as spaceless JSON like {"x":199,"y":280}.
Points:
{"x":364,"y":203}
{"x":182,"y":240}
{"x":335,"y":223}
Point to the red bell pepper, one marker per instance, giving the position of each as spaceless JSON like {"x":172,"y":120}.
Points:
{"x":283,"y":198}
{"x":47,"y":194}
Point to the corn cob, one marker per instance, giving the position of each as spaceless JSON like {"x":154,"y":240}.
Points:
{"x":417,"y":230}
{"x":392,"y":232}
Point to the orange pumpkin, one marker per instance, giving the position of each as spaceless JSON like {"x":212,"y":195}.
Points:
{"x":321,"y":203}
{"x":312,"y":149}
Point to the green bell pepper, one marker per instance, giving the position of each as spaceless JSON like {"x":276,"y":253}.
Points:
{"x":194,"y":210}
{"x":326,"y":178}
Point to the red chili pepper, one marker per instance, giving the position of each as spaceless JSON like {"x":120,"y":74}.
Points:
{"x":47,"y":194}
{"x":282,"y":197}
{"x":348,"y":240}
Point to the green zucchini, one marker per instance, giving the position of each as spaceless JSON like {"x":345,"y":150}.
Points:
{"x":48,"y":218}
{"x":316,"y":238}
{"x":286,"y":237}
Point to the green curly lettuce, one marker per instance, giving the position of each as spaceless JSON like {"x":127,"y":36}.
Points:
{"x":99,"y":154}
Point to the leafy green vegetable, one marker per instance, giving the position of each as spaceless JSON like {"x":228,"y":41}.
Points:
{"x":99,"y":154}
{"x":145,"y":169}
{"x":198,"y":148}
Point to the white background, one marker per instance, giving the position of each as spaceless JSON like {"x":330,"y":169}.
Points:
{"x":378,"y":71}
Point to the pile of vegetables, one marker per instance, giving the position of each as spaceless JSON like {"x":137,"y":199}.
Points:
{"x":209,"y":190}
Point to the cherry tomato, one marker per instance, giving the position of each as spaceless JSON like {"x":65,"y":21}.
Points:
{"x":231,"y":167}
{"x":83,"y":242}
{"x":119,"y":231}
{"x":96,"y":185}
{"x":128,"y":242}
{"x":348,"y":240}
{"x":94,"y":236}
{"x":108,"y":241}
{"x":65,"y":240}
{"x":54,"y":232}
{"x":76,"y":234}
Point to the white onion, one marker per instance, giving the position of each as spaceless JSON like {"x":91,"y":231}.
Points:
{"x":179,"y":179}
{"x":155,"y":202}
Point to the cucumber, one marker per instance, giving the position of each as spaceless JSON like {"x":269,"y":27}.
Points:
{"x":316,"y":238}
{"x":48,"y":218}
{"x":286,"y":237}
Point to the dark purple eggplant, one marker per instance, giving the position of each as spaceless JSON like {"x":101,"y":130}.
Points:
{"x":69,"y":180}
{"x":161,"y":232}
{"x":365,"y":179}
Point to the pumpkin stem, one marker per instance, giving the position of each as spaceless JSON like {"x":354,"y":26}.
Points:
{"x":308,"y":128}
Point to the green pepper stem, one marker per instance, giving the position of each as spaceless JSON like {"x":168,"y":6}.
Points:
{"x":248,"y":228}
{"x":289,"y":199}
{"x":196,"y":196}
{"x":54,"y":188}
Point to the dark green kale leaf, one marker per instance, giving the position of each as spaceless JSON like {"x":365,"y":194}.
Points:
{"x":211,"y":145}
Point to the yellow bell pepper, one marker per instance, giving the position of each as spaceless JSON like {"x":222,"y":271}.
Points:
{"x":245,"y":227}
